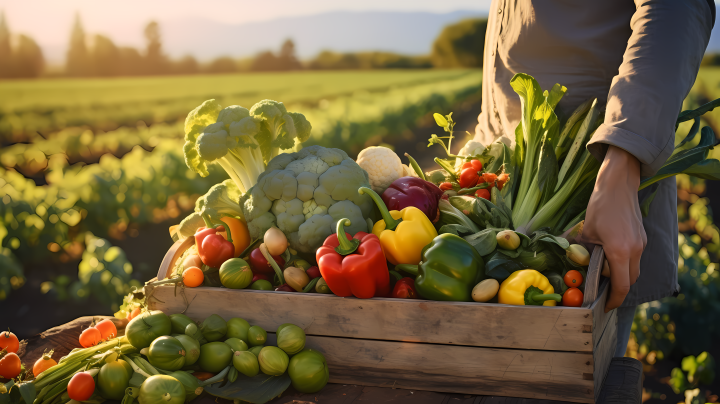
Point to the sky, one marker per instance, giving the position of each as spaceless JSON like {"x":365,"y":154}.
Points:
{"x":49,"y":21}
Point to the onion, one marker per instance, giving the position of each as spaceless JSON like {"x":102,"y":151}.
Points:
{"x":485,"y":290}
{"x":192,"y":261}
{"x":275,"y":241}
{"x":296,"y":278}
{"x":508,"y":240}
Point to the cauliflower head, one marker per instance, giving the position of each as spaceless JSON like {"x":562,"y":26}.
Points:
{"x":305,"y":193}
{"x":382,"y":165}
{"x":471,"y":148}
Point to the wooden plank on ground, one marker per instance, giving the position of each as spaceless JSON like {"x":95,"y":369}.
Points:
{"x":453,"y":323}
{"x":458,"y":369}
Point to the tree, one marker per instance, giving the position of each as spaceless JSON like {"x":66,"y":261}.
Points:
{"x":28,"y":58}
{"x":5,"y":49}
{"x":223,"y":64}
{"x":155,"y":60}
{"x":186,"y":65}
{"x":131,"y":62}
{"x":285,"y":60}
{"x":77,"y":56}
{"x":460,"y":44}
{"x":105,"y":57}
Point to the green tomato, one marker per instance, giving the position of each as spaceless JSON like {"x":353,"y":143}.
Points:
{"x":256,"y":336}
{"x":127,"y":367}
{"x":182,"y":324}
{"x":308,"y":371}
{"x":273,"y":361}
{"x":161,"y":389}
{"x":113,"y":379}
{"x":192,"y":348}
{"x":246,"y":363}
{"x":167,"y":353}
{"x":235,"y":273}
{"x":237,"y":328}
{"x":142,"y":330}
{"x":214,"y":328}
{"x":290,"y":338}
{"x":261,"y":284}
{"x":236,"y":344}
{"x":256,"y":350}
{"x":214,"y":356}
{"x":190,"y":382}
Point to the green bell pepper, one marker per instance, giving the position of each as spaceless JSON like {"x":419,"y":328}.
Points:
{"x":449,"y":269}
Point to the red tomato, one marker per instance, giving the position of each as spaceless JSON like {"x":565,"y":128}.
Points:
{"x":90,"y":337}
{"x":193,"y":277}
{"x":445,"y":186}
{"x":476,"y":164}
{"x":107,"y":329}
{"x":136,"y":312}
{"x":468,"y":177}
{"x":313,"y":272}
{"x":489,"y":177}
{"x":573,"y":297}
{"x":573,"y":278}
{"x":465,"y":165}
{"x":10,"y":365}
{"x":483,"y":193}
{"x":81,"y":386}
{"x":9,"y":341}
{"x":44,"y":363}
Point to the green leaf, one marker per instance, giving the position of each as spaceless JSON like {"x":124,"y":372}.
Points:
{"x":645,"y":205}
{"x":456,"y":229}
{"x":691,"y":134}
{"x":677,"y":381}
{"x":571,"y":128}
{"x":581,"y":140}
{"x":500,"y":266}
{"x":27,"y":391}
{"x":555,"y":95}
{"x":708,"y":169}
{"x":557,"y":282}
{"x":257,"y":390}
{"x":694,"y":113}
{"x":684,"y":159}
{"x":578,"y":203}
{"x":137,"y":380}
{"x":484,"y":241}
{"x":493,"y":157}
{"x":548,"y":166}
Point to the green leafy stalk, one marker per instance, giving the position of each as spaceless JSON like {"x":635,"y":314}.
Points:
{"x":571,"y":128}
{"x":581,"y":140}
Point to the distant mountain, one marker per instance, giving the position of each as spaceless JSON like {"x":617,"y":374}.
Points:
{"x":408,"y":33}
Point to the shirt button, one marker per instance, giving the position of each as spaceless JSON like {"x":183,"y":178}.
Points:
{"x":499,"y":10}
{"x":492,"y":53}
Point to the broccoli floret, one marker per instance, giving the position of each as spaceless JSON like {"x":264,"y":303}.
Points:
{"x":221,"y":200}
{"x":242,"y":141}
{"x":305,"y":193}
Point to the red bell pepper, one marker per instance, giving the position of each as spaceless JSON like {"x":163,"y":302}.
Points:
{"x":354,"y":266}
{"x":213,"y":248}
{"x":405,"y":289}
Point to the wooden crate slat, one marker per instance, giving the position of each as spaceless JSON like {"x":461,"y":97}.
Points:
{"x":453,"y":323}
{"x":604,"y":352}
{"x":600,"y":318}
{"x":548,"y":375}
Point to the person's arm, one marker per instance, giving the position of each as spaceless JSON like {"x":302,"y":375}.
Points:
{"x":659,"y":66}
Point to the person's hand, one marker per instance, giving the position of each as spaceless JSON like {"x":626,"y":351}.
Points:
{"x":613,"y":220}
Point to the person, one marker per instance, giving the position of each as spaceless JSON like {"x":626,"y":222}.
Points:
{"x":641,"y":59}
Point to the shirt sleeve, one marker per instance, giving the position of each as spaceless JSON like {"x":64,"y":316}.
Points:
{"x":659,"y":67}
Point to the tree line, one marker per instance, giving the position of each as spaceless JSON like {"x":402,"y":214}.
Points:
{"x":458,"y":45}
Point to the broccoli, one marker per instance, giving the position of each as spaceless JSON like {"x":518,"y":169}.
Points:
{"x":221,"y":200}
{"x":242,"y":141}
{"x":305,"y":194}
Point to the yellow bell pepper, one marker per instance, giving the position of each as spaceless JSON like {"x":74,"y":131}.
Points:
{"x":403,"y":234}
{"x":527,"y":287}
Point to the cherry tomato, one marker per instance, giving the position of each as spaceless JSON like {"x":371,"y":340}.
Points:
{"x":136,"y":312}
{"x":193,"y":277}
{"x":313,"y":272}
{"x":81,"y":386}
{"x":10,"y":365}
{"x":476,"y":164}
{"x":44,"y":363}
{"x":107,"y":329}
{"x":573,"y":297}
{"x":445,"y":186}
{"x":9,"y":341}
{"x":502,"y":179}
{"x":468,"y":177}
{"x":90,"y":337}
{"x":465,"y":165}
{"x":573,"y":278}
{"x":483,"y":193}
{"x":489,"y":177}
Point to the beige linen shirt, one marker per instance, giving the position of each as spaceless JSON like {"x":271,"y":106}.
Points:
{"x":640,"y":57}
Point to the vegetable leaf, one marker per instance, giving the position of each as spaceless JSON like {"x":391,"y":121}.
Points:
{"x":484,"y":241}
{"x":500,"y":266}
{"x":708,"y":169}
{"x":691,"y":134}
{"x":645,"y":205}
{"x":257,"y":390}
{"x":456,"y":229}
{"x":548,"y":166}
{"x":694,"y":113}
{"x":579,"y":143}
{"x":27,"y":391}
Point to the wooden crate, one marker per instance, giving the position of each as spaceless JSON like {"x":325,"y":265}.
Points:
{"x":555,"y":353}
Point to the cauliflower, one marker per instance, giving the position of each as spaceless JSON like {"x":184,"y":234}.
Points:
{"x":304,"y":194}
{"x":382,"y":165}
{"x":471,"y":148}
